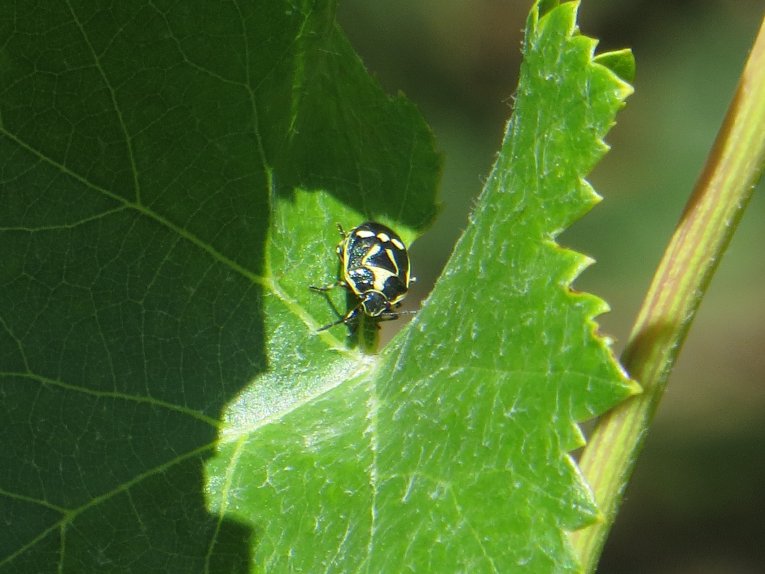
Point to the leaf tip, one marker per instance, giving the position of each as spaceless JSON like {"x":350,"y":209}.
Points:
{"x":620,"y":62}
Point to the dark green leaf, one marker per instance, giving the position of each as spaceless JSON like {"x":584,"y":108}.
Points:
{"x":171,"y":176}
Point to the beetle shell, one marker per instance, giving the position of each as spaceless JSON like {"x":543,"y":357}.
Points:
{"x":375,"y":268}
{"x":375,"y":262}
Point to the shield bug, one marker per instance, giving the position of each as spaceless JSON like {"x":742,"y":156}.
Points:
{"x":374,"y":266}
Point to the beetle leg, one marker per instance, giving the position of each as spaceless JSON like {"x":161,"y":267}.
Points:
{"x":393,"y":315}
{"x":329,"y":287}
{"x":344,"y":319}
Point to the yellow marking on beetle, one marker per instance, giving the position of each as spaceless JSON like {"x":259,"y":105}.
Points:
{"x":384,"y":237}
{"x":374,"y":250}
{"x":364,"y":233}
{"x":381,"y":276}
{"x":397,"y":243}
{"x":392,"y":259}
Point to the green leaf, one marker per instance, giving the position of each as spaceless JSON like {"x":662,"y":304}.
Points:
{"x":620,"y":62}
{"x":171,"y":179}
{"x":449,"y":451}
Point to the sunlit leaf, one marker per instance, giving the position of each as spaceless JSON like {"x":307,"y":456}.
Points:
{"x":171,"y":178}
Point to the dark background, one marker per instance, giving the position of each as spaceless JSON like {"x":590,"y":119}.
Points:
{"x":697,"y":500}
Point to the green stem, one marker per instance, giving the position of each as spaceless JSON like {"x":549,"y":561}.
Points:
{"x":702,"y":234}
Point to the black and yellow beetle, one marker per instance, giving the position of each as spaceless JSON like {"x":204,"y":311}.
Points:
{"x":374,"y":266}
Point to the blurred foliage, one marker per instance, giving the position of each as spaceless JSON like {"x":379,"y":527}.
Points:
{"x":459,"y":62}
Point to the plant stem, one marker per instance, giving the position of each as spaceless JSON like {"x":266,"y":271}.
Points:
{"x":702,"y":234}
